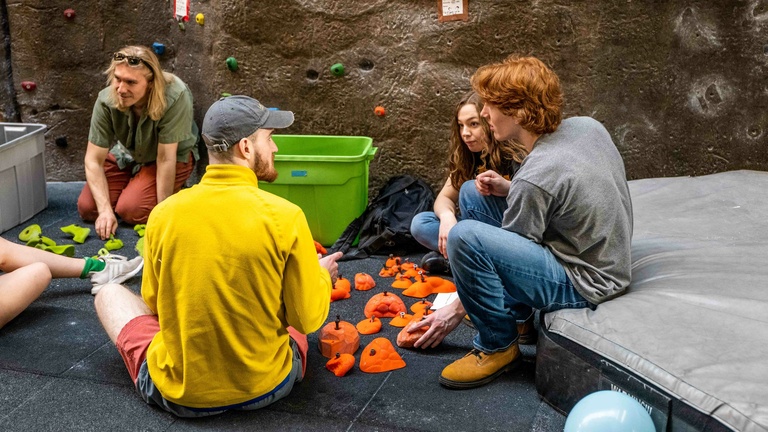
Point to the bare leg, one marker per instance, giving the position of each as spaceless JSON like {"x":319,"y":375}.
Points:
{"x":14,"y":256}
{"x":20,"y":288}
{"x":116,"y":305}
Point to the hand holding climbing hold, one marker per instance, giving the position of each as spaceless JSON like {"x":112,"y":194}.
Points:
{"x":113,"y":243}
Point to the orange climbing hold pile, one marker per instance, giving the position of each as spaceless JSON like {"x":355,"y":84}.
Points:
{"x":380,"y":356}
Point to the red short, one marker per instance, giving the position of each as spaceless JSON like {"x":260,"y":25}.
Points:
{"x":133,"y":341}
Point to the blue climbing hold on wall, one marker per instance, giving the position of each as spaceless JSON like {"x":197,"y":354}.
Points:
{"x":158,"y":48}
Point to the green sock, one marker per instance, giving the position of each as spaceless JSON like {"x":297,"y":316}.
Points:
{"x":92,"y":264}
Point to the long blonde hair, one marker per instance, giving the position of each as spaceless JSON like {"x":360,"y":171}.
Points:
{"x":461,"y":165}
{"x":157,"y":78}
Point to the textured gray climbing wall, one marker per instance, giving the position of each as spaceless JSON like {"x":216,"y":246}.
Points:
{"x":680,"y":85}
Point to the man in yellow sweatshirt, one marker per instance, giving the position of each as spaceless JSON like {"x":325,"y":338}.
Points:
{"x":231,"y":284}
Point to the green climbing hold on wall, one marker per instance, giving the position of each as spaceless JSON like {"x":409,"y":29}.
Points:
{"x":337,"y":69}
{"x":232,"y":63}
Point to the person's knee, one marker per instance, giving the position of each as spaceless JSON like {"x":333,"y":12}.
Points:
{"x":468,"y":194}
{"x":86,"y":208}
{"x":463,"y":235}
{"x":417,"y":224}
{"x":132,"y":213}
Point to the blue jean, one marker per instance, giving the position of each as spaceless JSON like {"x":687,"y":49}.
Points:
{"x":425,"y":226}
{"x":501,"y":277}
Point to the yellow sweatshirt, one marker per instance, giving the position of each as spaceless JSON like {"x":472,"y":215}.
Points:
{"x":227,"y":268}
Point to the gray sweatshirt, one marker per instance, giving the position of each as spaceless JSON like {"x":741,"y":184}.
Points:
{"x":571,"y":195}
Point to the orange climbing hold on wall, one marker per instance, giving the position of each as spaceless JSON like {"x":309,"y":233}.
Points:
{"x":380,"y":356}
{"x":338,"y":337}
{"x":384,"y":305}
{"x":364,"y":282}
{"x":369,"y":326}
{"x":340,"y":364}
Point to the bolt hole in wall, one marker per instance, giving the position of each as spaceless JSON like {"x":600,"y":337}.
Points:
{"x":312,"y":75}
{"x":366,"y":64}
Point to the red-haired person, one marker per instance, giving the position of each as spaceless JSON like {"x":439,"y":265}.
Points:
{"x":142,"y":142}
{"x":565,"y":237}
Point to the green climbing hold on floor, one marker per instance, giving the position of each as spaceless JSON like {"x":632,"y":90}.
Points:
{"x":79,"y":234}
{"x":66,"y":250}
{"x":140,"y":229}
{"x":30,"y":232}
{"x":140,"y":246}
{"x":41,"y":240}
{"x":113,"y":243}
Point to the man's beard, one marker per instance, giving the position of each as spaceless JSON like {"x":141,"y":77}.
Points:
{"x":265,"y":171}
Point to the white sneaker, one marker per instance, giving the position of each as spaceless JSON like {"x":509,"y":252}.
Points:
{"x":118,"y":270}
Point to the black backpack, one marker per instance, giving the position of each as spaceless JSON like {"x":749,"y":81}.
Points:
{"x":385,"y":225}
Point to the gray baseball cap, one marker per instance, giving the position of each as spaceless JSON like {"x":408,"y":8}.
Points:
{"x":233,"y":118}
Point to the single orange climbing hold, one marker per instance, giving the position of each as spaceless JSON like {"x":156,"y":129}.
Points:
{"x":380,"y":356}
{"x":393,"y":261}
{"x":401,"y":320}
{"x":319,"y":248}
{"x":368,"y":326}
{"x":364,"y":282}
{"x":388,"y":271}
{"x":338,"y":337}
{"x":340,"y":364}
{"x":380,"y":111}
{"x":429,"y":285}
{"x":406,"y":339}
{"x":421,"y":306}
{"x":384,"y":305}
{"x":402,"y":281}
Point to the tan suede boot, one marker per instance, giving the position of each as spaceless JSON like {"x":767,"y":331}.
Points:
{"x":478,"y":368}
{"x":526,"y":330}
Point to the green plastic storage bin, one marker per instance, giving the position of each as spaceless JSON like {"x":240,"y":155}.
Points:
{"x":327,"y":176}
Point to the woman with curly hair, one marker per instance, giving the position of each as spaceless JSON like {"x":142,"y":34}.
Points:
{"x":473,"y":150}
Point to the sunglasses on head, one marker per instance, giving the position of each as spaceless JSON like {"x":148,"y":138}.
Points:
{"x":131,"y":60}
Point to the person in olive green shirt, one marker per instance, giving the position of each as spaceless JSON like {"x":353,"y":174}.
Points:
{"x":142,"y":142}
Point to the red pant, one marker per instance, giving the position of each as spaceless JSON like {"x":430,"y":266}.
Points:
{"x":132,"y":197}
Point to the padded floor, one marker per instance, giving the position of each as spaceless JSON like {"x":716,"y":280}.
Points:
{"x":694,"y":323}
{"x":59,"y":371}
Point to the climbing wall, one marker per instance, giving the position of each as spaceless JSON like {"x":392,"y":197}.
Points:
{"x":680,"y":85}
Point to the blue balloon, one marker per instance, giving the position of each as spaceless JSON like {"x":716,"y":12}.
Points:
{"x":608,"y":411}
